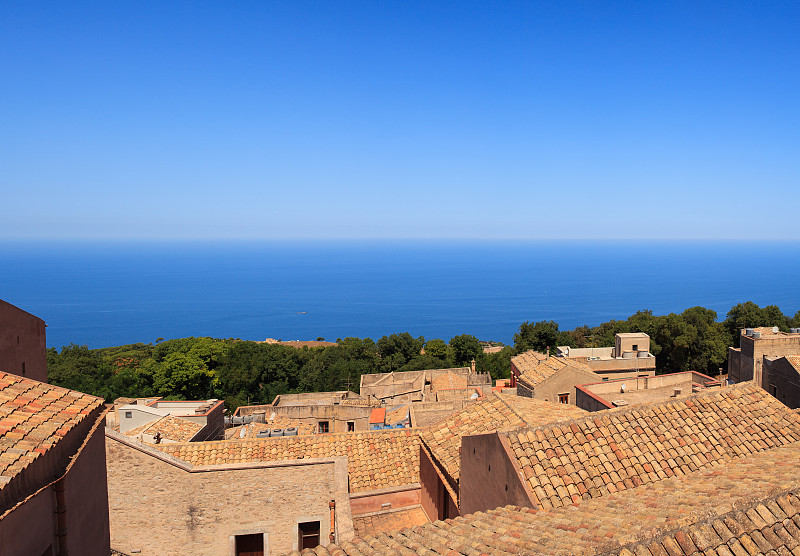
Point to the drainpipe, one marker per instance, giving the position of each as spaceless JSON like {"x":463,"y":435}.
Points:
{"x":332,"y":506}
{"x":61,"y":518}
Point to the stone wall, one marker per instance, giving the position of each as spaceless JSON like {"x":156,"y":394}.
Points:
{"x":163,"y":507}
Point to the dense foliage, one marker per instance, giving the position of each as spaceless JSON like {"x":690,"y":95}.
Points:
{"x":244,"y":372}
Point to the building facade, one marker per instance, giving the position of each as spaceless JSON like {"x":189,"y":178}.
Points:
{"x":23,"y":348}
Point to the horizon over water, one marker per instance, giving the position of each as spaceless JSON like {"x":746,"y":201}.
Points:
{"x":119,"y":292}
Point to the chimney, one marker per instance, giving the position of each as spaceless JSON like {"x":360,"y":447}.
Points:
{"x":472,"y":364}
{"x":677,"y":392}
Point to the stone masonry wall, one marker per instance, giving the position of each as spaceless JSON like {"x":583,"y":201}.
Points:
{"x":161,"y":509}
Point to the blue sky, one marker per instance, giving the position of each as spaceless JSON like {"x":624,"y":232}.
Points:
{"x":225,"y":120}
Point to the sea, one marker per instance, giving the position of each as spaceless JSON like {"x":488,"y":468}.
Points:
{"x":112,"y":293}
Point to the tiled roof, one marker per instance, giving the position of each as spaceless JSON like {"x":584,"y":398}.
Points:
{"x":534,"y":368}
{"x":35,"y":416}
{"x":376,"y":460}
{"x":378,"y":522}
{"x":746,"y":506}
{"x":495,"y":412}
{"x":170,"y":427}
{"x":621,"y":449}
{"x":448,"y":381}
{"x":398,"y":414}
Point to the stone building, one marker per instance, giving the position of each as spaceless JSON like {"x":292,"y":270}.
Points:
{"x":781,"y":378}
{"x":550,"y":379}
{"x":53,"y":497}
{"x":746,"y":362}
{"x":422,"y":386}
{"x":274,"y":493}
{"x":715,"y":473}
{"x":630,"y":357}
{"x":441,"y":454}
{"x":23,"y":349}
{"x":624,"y":392}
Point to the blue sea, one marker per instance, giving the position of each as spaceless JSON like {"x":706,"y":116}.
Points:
{"x":112,"y":293}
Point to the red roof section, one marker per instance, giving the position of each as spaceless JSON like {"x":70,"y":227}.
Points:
{"x":377,"y":415}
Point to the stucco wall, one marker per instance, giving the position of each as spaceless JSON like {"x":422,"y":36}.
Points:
{"x":164,"y":510}
{"x":22,"y":343}
{"x":337,"y":415}
{"x":489,"y":479}
{"x":753,"y":350}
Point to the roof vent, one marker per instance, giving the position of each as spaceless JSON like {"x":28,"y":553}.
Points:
{"x":619,"y":403}
{"x":756,"y":334}
{"x":290,"y":431}
{"x":677,"y":392}
{"x":276,"y":432}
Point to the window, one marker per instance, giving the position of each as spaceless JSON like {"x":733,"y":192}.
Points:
{"x":250,"y":545}
{"x":774,"y":390}
{"x":23,"y":368}
{"x":307,"y":535}
{"x":128,"y":414}
{"x":323,"y":428}
{"x":563,"y":398}
{"x":635,"y":347}
{"x":351,"y":426}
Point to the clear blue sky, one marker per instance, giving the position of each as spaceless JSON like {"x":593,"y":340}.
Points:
{"x":399,"y":119}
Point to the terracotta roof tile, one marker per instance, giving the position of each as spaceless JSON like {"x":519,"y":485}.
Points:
{"x":449,"y":381}
{"x":378,"y":459}
{"x":34,"y":416}
{"x":391,"y":520}
{"x":620,"y":449}
{"x":171,"y":428}
{"x":534,"y":367}
{"x":495,"y":412}
{"x":748,"y":505}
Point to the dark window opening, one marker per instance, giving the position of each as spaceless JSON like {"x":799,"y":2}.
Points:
{"x":351,"y":426}
{"x":308,"y":535}
{"x":128,"y":414}
{"x":774,"y":390}
{"x":635,"y":347}
{"x":23,"y":368}
{"x":563,"y":398}
{"x":323,"y":428}
{"x":250,"y":545}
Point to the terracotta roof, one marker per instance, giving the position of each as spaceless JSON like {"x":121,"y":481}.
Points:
{"x":621,"y":449}
{"x":378,"y":459}
{"x":171,"y":428}
{"x":377,"y":415}
{"x":534,"y":368}
{"x":391,"y":520}
{"x":398,"y":414}
{"x":34,"y":417}
{"x":747,"y":506}
{"x":448,"y":381}
{"x":495,"y":412}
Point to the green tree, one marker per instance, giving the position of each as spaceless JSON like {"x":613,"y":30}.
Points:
{"x":465,"y":348}
{"x":540,"y":336}
{"x":436,"y":348}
